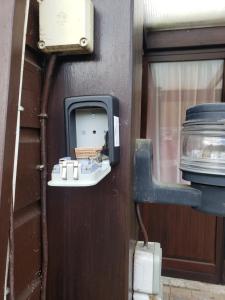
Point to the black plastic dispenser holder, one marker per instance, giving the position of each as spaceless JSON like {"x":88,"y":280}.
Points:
{"x":107,"y":103}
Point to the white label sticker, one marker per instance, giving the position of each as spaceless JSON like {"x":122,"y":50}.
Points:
{"x":116,"y":132}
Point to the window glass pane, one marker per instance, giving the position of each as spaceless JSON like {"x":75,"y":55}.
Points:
{"x":173,"y":87}
{"x":177,"y":14}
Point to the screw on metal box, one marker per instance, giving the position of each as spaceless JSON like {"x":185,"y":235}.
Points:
{"x":202,"y":163}
{"x":83,"y":42}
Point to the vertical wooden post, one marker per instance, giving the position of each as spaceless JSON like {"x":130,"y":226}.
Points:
{"x":92,"y":231}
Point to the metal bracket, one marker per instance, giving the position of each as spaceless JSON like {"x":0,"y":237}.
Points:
{"x":148,"y":190}
{"x":75,"y":170}
{"x":64,"y":170}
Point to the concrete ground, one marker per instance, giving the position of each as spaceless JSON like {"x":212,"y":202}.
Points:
{"x":179,"y":289}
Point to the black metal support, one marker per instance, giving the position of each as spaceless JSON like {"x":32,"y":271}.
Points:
{"x":148,"y":190}
{"x":213,"y":199}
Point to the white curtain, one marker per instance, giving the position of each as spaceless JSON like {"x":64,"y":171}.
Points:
{"x":173,"y":87}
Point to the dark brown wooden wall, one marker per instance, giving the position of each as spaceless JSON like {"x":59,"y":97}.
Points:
{"x":27,"y":214}
{"x":12,"y":19}
{"x":92,"y":230}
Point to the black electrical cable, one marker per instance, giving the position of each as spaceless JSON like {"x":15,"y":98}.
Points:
{"x":141,"y":224}
{"x":43,"y":120}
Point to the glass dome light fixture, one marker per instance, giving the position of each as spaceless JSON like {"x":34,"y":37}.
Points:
{"x":202,"y":163}
{"x":203,"y":144}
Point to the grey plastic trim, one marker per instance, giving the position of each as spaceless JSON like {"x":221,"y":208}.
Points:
{"x":148,"y":190}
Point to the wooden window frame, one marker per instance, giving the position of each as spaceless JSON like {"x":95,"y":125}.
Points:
{"x":184,"y":38}
{"x":175,"y":55}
